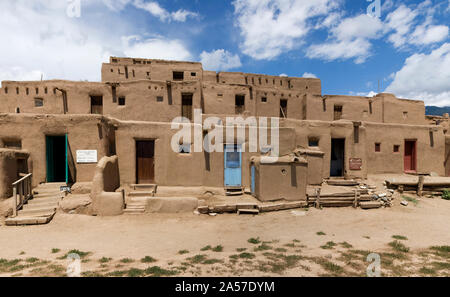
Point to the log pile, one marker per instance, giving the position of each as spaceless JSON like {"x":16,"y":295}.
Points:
{"x":420,"y":185}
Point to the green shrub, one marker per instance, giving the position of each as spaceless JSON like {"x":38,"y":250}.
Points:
{"x":446,"y":195}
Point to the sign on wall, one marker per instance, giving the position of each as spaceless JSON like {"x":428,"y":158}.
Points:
{"x":86,"y":156}
{"x":355,"y":163}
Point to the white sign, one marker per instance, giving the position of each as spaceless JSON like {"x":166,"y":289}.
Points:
{"x":87,"y":156}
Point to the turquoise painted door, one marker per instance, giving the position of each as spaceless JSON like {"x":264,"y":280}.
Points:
{"x":233,"y":164}
{"x":253,"y":180}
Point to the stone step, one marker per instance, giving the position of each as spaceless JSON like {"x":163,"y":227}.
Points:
{"x":234,"y":193}
{"x":37,"y":211}
{"x":133,"y":211}
{"x":44,"y":199}
{"x":46,"y":192}
{"x":141,"y":194}
{"x":34,"y":205}
{"x":151,"y":187}
{"x":248,"y":211}
{"x":17,"y":221}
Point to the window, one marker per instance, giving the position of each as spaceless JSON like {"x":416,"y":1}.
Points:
{"x":219,"y":95}
{"x":405,"y":115}
{"x":263,"y":99}
{"x":12,"y":143}
{"x":122,"y":101}
{"x":396,"y":148}
{"x":27,"y":91}
{"x":186,"y":106}
{"x":159,"y":98}
{"x":38,"y":102}
{"x":355,"y":133}
{"x":148,"y":73}
{"x":96,"y":104}
{"x":193,"y":74}
{"x":337,"y":112}
{"x":37,"y":91}
{"x":370,"y":107}
{"x":178,"y":75}
{"x":17,"y":91}
{"x":46,"y":90}
{"x":184,"y":148}
{"x":377,"y":147}
{"x":239,"y":104}
{"x":283,"y":108}
{"x":313,"y":142}
{"x":6,"y":90}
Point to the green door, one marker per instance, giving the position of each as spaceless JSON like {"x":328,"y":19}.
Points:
{"x":56,"y":158}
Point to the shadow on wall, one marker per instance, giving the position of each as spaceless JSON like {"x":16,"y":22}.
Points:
{"x":105,"y":201}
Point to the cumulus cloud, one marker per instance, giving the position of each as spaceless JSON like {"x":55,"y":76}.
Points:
{"x":309,"y":75}
{"x":219,"y":60}
{"x":425,"y":77}
{"x":43,"y":39}
{"x":270,"y":28}
{"x":155,"y":48}
{"x":349,"y":40}
{"x":156,"y":10}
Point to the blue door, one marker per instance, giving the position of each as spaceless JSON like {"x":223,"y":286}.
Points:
{"x":233,"y":163}
{"x":253,"y":180}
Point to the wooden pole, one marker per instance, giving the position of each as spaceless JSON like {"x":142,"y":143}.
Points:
{"x":317,"y":198}
{"x":15,"y":201}
{"x":420,"y":185}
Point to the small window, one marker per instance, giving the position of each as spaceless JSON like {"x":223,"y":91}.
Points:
{"x":27,"y":91}
{"x":37,"y":91}
{"x":396,"y":148}
{"x":97,"y":104}
{"x":122,"y":101}
{"x":219,"y":95}
{"x":263,"y":99}
{"x":178,"y":75}
{"x":405,"y":115}
{"x":283,"y":108}
{"x":112,"y":70}
{"x":12,"y":143}
{"x":46,"y":90}
{"x":6,"y":90}
{"x":38,"y":102}
{"x":17,"y":91}
{"x":377,"y":147}
{"x":337,"y":112}
{"x":159,"y":99}
{"x":313,"y":142}
{"x":148,"y":73}
{"x":193,"y":74}
{"x":186,"y":106}
{"x":184,"y":148}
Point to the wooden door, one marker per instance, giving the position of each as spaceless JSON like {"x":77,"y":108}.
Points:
{"x":145,"y":162}
{"x":410,"y":156}
{"x":233,"y":164}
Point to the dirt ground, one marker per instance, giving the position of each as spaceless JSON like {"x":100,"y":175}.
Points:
{"x":412,"y":240}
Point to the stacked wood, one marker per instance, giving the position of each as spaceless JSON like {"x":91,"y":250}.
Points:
{"x":342,"y":182}
{"x":420,"y":185}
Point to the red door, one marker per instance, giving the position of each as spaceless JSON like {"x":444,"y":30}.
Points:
{"x":410,"y":156}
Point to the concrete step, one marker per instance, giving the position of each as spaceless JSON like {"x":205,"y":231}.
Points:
{"x":37,"y":211}
{"x":150,"y":187}
{"x":47,"y":193}
{"x":34,"y":205}
{"x":248,"y":211}
{"x":141,"y":194}
{"x":44,"y":199}
{"x":132,"y":211}
{"x":17,"y":221}
{"x":45,"y":196}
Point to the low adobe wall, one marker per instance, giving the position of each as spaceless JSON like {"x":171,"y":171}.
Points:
{"x":8,"y":170}
{"x":105,"y":201}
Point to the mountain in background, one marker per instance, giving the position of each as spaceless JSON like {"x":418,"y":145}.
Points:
{"x":438,"y":111}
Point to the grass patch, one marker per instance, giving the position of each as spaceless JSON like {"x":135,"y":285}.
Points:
{"x":426,"y":270}
{"x":22,"y":253}
{"x":410,"y":199}
{"x":158,"y":271}
{"x":105,"y":260}
{"x":446,"y":195}
{"x":346,"y":245}
{"x":329,"y":266}
{"x":135,"y":272}
{"x":197,"y":259}
{"x":182,"y":252}
{"x":148,"y":259}
{"x":78,"y":252}
{"x":262,"y":247}
{"x":55,"y":250}
{"x":329,"y":245}
{"x":254,"y":240}
{"x":240,"y":250}
{"x":212,"y":261}
{"x":398,"y":246}
{"x":247,"y":256}
{"x":217,"y":249}
{"x":320,"y":233}
{"x":206,"y":248}
{"x":400,"y":237}
{"x":126,"y":260}
{"x":281,"y":250}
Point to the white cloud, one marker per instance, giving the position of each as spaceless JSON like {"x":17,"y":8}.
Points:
{"x":400,"y":21}
{"x":219,"y":60}
{"x":43,"y":39}
{"x":272,"y":27}
{"x":283,"y":75}
{"x":349,"y":40}
{"x":156,"y":10}
{"x":425,"y":77}
{"x":309,"y":75}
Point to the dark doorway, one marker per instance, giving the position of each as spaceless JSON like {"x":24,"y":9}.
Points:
{"x":410,"y":156}
{"x":283,"y":108}
{"x":56,"y":151}
{"x":96,"y":104}
{"x":145,"y":161}
{"x":239,"y":104}
{"x":337,"y":157}
{"x":186,"y":106}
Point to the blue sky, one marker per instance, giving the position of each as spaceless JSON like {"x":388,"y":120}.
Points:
{"x":406,"y":47}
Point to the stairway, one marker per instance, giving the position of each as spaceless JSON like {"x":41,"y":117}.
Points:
{"x":234,"y":191}
{"x":41,"y":208}
{"x":137,"y":198}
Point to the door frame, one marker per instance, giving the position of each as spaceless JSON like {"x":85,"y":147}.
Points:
{"x":136,"y":140}
{"x":414,"y":156}
{"x":239,"y":149}
{"x":343,"y":139}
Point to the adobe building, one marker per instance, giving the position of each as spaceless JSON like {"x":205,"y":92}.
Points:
{"x":60,"y":130}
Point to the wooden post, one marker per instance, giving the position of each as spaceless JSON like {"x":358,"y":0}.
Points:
{"x":15,"y":201}
{"x":420,"y":185}
{"x":356,"y":201}
{"x":400,"y":188}
{"x":318,"y":198}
